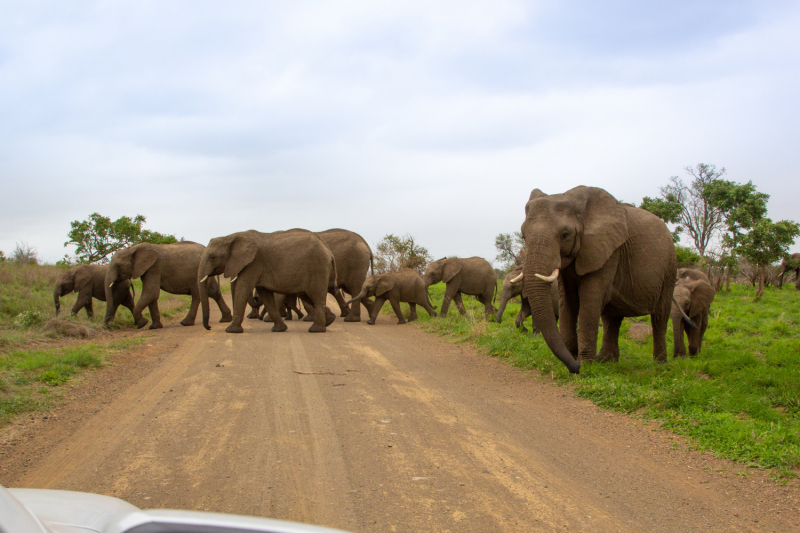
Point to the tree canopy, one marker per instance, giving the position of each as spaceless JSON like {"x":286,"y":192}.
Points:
{"x":98,"y":237}
{"x":510,"y":249}
{"x":393,"y":253}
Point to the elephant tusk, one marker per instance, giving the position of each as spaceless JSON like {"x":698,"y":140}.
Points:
{"x":204,"y":278}
{"x":518,"y":278}
{"x":234,"y":279}
{"x":549,"y":279}
{"x":111,"y":285}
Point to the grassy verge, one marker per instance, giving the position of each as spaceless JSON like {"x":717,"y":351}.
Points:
{"x":740,"y":398}
{"x":29,"y":379}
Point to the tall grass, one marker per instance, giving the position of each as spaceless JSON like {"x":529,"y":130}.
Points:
{"x":739,"y":398}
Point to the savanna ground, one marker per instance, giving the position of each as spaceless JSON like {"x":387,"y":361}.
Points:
{"x":375,"y":428}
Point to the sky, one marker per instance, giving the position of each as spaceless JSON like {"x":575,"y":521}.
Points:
{"x":433,"y":119}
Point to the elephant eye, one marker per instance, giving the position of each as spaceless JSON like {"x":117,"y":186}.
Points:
{"x":565,"y":236}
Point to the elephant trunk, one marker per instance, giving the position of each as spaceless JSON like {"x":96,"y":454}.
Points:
{"x":504,"y":298}
{"x":57,"y":297}
{"x":681,"y":314}
{"x":203,"y":273}
{"x":111,"y":279}
{"x":539,"y":294}
{"x":357,"y":297}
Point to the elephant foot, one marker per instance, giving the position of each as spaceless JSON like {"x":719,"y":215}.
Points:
{"x":318,"y":328}
{"x":277,"y":328}
{"x":156,"y":325}
{"x":187,"y":322}
{"x":607,"y":356}
{"x":268,"y":318}
{"x":371,"y":322}
{"x":523,"y":329}
{"x":300,"y":315}
{"x":401,"y":321}
{"x":253,"y":314}
{"x":226,"y":319}
{"x":234,"y":328}
{"x":351,"y":318}
{"x":142,"y":323}
{"x":288,"y":317}
{"x":308,"y":318}
{"x":329,"y":317}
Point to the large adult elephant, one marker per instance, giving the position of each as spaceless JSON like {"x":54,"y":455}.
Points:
{"x":286,"y":262}
{"x":692,"y":299}
{"x":612,"y":260}
{"x":353,"y":263}
{"x":472,"y":275}
{"x":513,"y":286}
{"x":168,"y":267}
{"x":89,"y":282}
{"x":793,"y":266}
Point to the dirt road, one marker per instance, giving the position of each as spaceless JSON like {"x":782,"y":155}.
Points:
{"x":373,"y":428}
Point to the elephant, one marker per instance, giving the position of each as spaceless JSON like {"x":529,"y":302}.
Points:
{"x":404,"y":285}
{"x":513,"y":285}
{"x":286,"y":304}
{"x":89,"y":282}
{"x":473,"y":276}
{"x":354,"y":260}
{"x":693,"y":274}
{"x":692,"y":299}
{"x":285,"y":262}
{"x":169,"y":267}
{"x":787,"y":266}
{"x":611,"y":260}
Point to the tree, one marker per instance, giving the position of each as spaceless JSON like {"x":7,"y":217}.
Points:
{"x":510,"y":249}
{"x":394,"y":253}
{"x":766,"y":243}
{"x":25,"y":254}
{"x":2,"y":258}
{"x":742,"y":207}
{"x":667,"y":209}
{"x":699,"y":216}
{"x":98,"y":237}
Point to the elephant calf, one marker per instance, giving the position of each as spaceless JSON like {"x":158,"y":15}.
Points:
{"x":405,"y":285}
{"x":473,"y":276}
{"x":514,"y":285}
{"x":89,"y":282}
{"x":691,"y":302}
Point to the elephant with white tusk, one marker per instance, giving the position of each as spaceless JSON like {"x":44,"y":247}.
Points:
{"x":514,"y":285}
{"x":89,"y":282}
{"x":612,"y":260}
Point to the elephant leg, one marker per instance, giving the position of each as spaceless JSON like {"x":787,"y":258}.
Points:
{"x":703,"y":328}
{"x":192,"y":314}
{"x":694,"y":342}
{"x":412,"y":316}
{"x":151,"y":290}
{"x":679,"y":347}
{"x":89,"y":308}
{"x":262,"y":315}
{"x":368,"y":303}
{"x":660,"y":321}
{"x":241,"y":290}
{"x":343,"y":308}
{"x":395,"y":303}
{"x":450,"y":293}
{"x":268,"y":299}
{"x":354,"y":313}
{"x":291,"y":303}
{"x":323,"y":316}
{"x":376,"y":309}
{"x":568,"y":319}
{"x":609,"y":352}
{"x":525,"y":312}
{"x":459,"y":304}
{"x":155,"y":315}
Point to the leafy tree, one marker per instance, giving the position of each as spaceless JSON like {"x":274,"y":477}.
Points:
{"x":510,"y":250}
{"x":667,"y":209}
{"x":395,"y":253}
{"x":25,"y":254}
{"x":766,"y":243}
{"x":2,"y":258}
{"x":699,"y":216}
{"x":98,"y":237}
{"x":686,"y":256}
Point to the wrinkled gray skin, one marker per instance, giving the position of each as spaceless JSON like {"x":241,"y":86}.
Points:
{"x":89,"y":282}
{"x":353,"y":263}
{"x":693,"y":295}
{"x":785,"y":267}
{"x":285,"y":262}
{"x":614,"y":261}
{"x":511,"y":290}
{"x":473,"y":276}
{"x":168,"y":267}
{"x":405,"y":285}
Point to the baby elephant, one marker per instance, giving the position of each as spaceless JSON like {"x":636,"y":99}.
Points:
{"x":691,"y":301}
{"x":89,"y":282}
{"x":405,"y":285}
{"x":514,"y":285}
{"x":473,"y":276}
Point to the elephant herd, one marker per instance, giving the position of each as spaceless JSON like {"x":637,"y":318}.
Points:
{"x":589,"y":260}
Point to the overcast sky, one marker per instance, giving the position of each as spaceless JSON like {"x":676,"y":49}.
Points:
{"x":430,"y":118}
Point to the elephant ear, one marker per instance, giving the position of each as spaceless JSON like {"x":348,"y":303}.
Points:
{"x":81,"y":278}
{"x":451,"y":268}
{"x":242,"y":253}
{"x":143,"y":258}
{"x":702,"y":296}
{"x":385,"y":284}
{"x":605,"y":227}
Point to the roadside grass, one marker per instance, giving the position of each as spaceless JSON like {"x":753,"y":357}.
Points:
{"x":29,"y":379}
{"x":739,"y":398}
{"x":26,"y":307}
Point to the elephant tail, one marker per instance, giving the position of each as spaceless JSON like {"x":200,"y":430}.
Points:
{"x":689,"y":321}
{"x":494,"y":298}
{"x":371,"y":263}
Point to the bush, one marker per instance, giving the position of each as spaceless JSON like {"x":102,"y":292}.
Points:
{"x":28,"y":318}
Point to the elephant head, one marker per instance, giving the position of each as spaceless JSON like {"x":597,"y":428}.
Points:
{"x":692,"y":297}
{"x":512,"y":287}
{"x":442,"y":270}
{"x":73,"y":280}
{"x":224,"y":255}
{"x":130,"y":263}
{"x":581,"y":228}
{"x":374,"y":286}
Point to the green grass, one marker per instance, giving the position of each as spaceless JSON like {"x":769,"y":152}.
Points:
{"x":739,"y":398}
{"x":28,"y":378}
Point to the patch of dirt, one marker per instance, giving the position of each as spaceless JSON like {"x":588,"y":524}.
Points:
{"x":639,"y":331}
